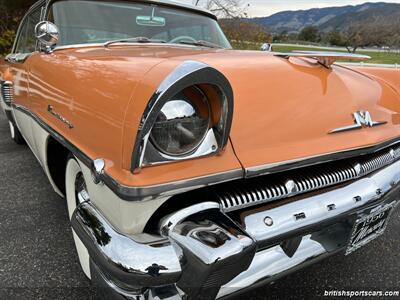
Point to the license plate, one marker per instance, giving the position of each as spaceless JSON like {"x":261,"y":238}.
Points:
{"x":369,"y":228}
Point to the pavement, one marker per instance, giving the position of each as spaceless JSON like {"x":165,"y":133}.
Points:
{"x":38,"y":258}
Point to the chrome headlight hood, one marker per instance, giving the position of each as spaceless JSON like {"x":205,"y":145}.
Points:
{"x":218,"y":92}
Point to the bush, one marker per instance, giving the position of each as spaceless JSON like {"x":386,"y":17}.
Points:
{"x":6,"y":41}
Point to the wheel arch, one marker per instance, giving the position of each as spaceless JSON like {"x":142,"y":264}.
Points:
{"x":56,"y":162}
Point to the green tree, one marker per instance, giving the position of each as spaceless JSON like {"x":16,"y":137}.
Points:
{"x":12,"y":11}
{"x":309,"y":34}
{"x":336,"y":38}
{"x":244,"y":34}
{"x":281,"y":37}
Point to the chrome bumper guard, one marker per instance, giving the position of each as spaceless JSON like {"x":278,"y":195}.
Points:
{"x":207,"y":255}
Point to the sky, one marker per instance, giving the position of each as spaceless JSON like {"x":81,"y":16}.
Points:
{"x":261,"y":8}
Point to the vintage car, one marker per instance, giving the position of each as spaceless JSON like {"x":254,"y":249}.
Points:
{"x":191,"y":170}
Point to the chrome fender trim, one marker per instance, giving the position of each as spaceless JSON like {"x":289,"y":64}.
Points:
{"x":128,"y":263}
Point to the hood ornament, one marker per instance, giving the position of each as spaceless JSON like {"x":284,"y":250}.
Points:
{"x":327,"y":59}
{"x":362,"y":119}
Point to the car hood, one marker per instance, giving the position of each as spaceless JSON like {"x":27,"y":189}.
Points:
{"x":284,"y":108}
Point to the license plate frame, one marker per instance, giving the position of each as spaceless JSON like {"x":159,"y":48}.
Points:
{"x":370,"y":227}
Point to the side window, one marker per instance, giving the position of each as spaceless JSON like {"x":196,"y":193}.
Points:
{"x":22,"y":37}
{"x":26,"y":39}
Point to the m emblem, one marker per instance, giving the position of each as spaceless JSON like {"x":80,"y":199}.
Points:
{"x":361,"y":119}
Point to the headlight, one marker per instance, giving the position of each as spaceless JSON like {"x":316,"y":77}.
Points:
{"x":182,"y":123}
{"x":189,"y":116}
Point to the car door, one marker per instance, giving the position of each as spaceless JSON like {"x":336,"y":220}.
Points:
{"x":18,"y":61}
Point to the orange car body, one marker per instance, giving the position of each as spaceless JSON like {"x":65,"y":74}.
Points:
{"x":303,"y":152}
{"x":284,"y":109}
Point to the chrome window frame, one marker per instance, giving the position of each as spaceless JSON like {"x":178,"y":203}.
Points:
{"x":40,"y":4}
{"x":166,"y":3}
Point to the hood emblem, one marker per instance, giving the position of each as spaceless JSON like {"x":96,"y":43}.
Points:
{"x":362,"y":119}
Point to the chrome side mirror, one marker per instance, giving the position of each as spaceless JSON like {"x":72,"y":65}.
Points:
{"x":47,"y":33}
{"x":266,"y":47}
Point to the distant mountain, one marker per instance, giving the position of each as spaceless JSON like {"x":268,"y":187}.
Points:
{"x":331,"y":18}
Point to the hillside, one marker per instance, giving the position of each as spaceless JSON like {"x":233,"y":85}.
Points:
{"x":331,"y":18}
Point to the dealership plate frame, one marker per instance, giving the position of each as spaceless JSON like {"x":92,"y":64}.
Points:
{"x":352,"y":247}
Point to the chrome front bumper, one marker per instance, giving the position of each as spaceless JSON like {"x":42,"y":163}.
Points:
{"x":204,"y":251}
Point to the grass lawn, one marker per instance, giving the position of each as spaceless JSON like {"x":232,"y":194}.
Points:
{"x":376,"y":57}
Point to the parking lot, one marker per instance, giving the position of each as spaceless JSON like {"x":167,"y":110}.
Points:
{"x":38,"y":260}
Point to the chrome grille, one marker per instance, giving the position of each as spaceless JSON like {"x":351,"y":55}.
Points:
{"x":378,"y":162}
{"x":251,"y":192}
{"x":6,"y":91}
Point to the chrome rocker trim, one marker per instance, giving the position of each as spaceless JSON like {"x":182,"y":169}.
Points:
{"x":287,"y":237}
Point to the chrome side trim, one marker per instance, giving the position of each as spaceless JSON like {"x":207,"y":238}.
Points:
{"x":130,"y":193}
{"x":128,"y":262}
{"x":245,"y":195}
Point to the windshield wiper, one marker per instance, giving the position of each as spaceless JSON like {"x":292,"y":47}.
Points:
{"x":139,"y":39}
{"x":201,"y":43}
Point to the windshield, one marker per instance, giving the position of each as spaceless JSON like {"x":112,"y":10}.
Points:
{"x":83,"y":22}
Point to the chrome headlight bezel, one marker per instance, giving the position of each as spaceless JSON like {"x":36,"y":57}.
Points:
{"x":219,"y":93}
